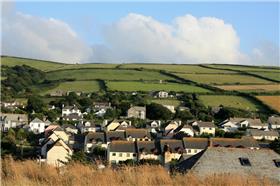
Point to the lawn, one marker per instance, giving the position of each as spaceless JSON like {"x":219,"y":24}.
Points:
{"x":228,"y":101}
{"x":148,"y":86}
{"x":220,"y":79}
{"x":173,"y":102}
{"x":270,"y":75}
{"x":79,"y":86}
{"x":106,"y":74}
{"x":252,"y":88}
{"x":175,"y":68}
{"x":272,"y":101}
{"x":247,"y":68}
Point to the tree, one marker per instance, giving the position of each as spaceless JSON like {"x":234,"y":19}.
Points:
{"x":35,"y":104}
{"x":275,"y":145}
{"x":184,"y":115}
{"x":21,"y":135}
{"x":80,"y":157}
{"x":157,"y":111}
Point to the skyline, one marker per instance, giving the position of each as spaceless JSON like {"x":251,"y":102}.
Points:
{"x":186,"y":32}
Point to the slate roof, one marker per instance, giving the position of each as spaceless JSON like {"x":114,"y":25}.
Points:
{"x":148,"y":147}
{"x":137,"y":133}
{"x":205,"y":124}
{"x":14,"y":117}
{"x":114,"y":135}
{"x":36,"y":120}
{"x":274,"y":120}
{"x":137,"y":108}
{"x":221,"y":160}
{"x":122,"y":146}
{"x":183,"y":126}
{"x":72,"y":116}
{"x":244,"y":142}
{"x":256,"y":122}
{"x":256,"y":132}
{"x":64,"y":126}
{"x":172,"y":145}
{"x":95,"y":136}
{"x":195,"y":143}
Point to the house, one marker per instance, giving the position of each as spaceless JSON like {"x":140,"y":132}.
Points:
{"x":37,"y":126}
{"x":257,"y":124}
{"x":262,"y":163}
{"x":8,"y":121}
{"x":240,"y":122}
{"x":76,"y":142}
{"x":185,"y":129}
{"x":137,"y":112}
{"x":93,"y":139}
{"x":274,"y":122}
{"x":60,"y":133}
{"x":171,"y":126}
{"x":71,"y":110}
{"x":56,"y":153}
{"x":195,"y":145}
{"x":120,"y":151}
{"x":148,"y":150}
{"x":153,"y":126}
{"x":89,"y":126}
{"x":270,"y":135}
{"x":171,"y":150}
{"x":229,"y":126}
{"x":114,"y":135}
{"x":70,"y":128}
{"x":73,"y":117}
{"x":58,"y":93}
{"x":100,"y":113}
{"x":50,"y":129}
{"x":244,"y":142}
{"x":161,"y":94}
{"x":111,"y":125}
{"x":137,"y":135}
{"x":206,"y":128}
{"x":101,"y":105}
{"x":11,"y":104}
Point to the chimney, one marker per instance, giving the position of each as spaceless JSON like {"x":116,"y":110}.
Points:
{"x":179,"y":122}
{"x":159,"y":123}
{"x":129,"y":123}
{"x":105,"y":122}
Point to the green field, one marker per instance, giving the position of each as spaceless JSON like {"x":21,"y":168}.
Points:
{"x":220,"y":79}
{"x":50,"y":66}
{"x":270,"y":75}
{"x":78,"y":86}
{"x":106,"y":74}
{"x":247,"y":68}
{"x":176,"y":68}
{"x":148,"y":86}
{"x":228,"y":101}
{"x":173,"y":102}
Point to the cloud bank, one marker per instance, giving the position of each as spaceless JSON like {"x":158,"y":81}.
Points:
{"x":134,"y":38}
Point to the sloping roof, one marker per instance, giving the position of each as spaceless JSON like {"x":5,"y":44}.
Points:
{"x":96,"y":136}
{"x":114,"y":135}
{"x":195,"y":143}
{"x":148,"y":147}
{"x":36,"y":120}
{"x":256,"y":132}
{"x":274,"y":120}
{"x":256,"y":122}
{"x":73,"y":116}
{"x":64,"y":126}
{"x":237,"y":120}
{"x":245,"y":142}
{"x":137,"y":108}
{"x":122,"y":146}
{"x":137,"y":133}
{"x":172,"y":145}
{"x":14,"y":117}
{"x":183,"y":126}
{"x":222,"y":160}
{"x":205,"y":124}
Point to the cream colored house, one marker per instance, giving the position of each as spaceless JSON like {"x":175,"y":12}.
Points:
{"x":147,"y":150}
{"x":171,"y":126}
{"x":111,"y":126}
{"x":270,"y":135}
{"x":206,"y":128}
{"x":171,"y":150}
{"x":119,"y":151}
{"x":137,"y":135}
{"x":195,"y":145}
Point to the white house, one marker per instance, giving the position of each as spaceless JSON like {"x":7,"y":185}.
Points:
{"x":269,"y":135}
{"x":161,"y":94}
{"x":37,"y":126}
{"x":257,"y":124}
{"x":148,"y":150}
{"x":186,"y":129}
{"x":206,"y":128}
{"x":8,"y":121}
{"x":137,"y":112}
{"x":68,"y":110}
{"x":195,"y":145}
{"x":121,"y":151}
{"x":274,"y":122}
{"x":229,"y":126}
{"x":171,"y":150}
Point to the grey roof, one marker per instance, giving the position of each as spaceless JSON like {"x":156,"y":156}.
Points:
{"x":222,"y":160}
{"x":195,"y":143}
{"x":73,"y":116}
{"x":205,"y":124}
{"x":183,"y":126}
{"x":244,"y":142}
{"x":36,"y":120}
{"x":172,"y":145}
{"x":114,"y":135}
{"x":95,"y":136}
{"x":64,"y":126}
{"x":14,"y":117}
{"x":137,"y":133}
{"x":274,"y":120}
{"x":256,"y":132}
{"x":256,"y":122}
{"x":148,"y":147}
{"x":122,"y":146}
{"x":137,"y":108}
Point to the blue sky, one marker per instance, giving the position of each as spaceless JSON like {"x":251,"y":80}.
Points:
{"x":164,"y":32}
{"x":254,"y":21}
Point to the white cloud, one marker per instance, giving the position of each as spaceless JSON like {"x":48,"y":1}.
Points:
{"x":187,"y":40}
{"x":43,"y":38}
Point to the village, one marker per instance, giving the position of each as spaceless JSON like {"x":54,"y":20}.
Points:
{"x":177,"y":144}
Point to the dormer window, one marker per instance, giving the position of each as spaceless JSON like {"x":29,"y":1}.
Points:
{"x":277,"y":162}
{"x":244,"y":162}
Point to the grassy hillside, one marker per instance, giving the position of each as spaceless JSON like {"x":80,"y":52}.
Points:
{"x":31,"y":173}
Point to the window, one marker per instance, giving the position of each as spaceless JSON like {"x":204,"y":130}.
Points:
{"x":134,"y":155}
{"x":120,"y":154}
{"x":114,"y":154}
{"x":195,"y":151}
{"x":277,"y":163}
{"x":189,"y":151}
{"x":210,"y":128}
{"x":127,"y":155}
{"x":244,"y":161}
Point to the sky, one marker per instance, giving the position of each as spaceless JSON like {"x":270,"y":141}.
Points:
{"x":157,"y":32}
